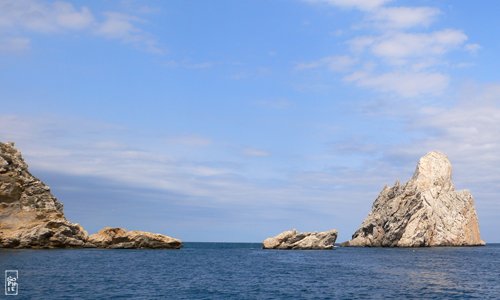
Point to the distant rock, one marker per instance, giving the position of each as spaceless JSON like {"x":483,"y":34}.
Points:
{"x":426,"y":211}
{"x":31,"y":217}
{"x":118,"y":238}
{"x":294,"y":240}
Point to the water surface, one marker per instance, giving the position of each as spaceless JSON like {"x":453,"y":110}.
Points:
{"x":245,"y":271}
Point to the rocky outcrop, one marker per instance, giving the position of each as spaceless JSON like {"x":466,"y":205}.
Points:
{"x":118,"y":238}
{"x":31,"y":217}
{"x":294,"y":240}
{"x":426,"y":211}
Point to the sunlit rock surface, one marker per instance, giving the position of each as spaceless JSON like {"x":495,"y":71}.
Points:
{"x":294,"y":240}
{"x":31,"y":217}
{"x":118,"y":238}
{"x":426,"y":211}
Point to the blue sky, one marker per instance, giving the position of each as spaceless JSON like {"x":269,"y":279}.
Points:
{"x":236,"y":120}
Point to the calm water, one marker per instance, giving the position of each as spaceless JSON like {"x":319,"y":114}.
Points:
{"x":244,"y":271}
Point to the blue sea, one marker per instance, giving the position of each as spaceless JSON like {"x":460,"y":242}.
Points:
{"x":245,"y":271}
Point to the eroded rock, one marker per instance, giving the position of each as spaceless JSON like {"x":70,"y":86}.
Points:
{"x":294,"y":240}
{"x":426,"y":211}
{"x":31,"y":217}
{"x":118,"y":238}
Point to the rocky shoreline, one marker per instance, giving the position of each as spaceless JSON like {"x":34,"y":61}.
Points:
{"x":424,"y":212}
{"x":31,"y":217}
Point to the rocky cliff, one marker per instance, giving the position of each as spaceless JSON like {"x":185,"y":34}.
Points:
{"x":294,"y":240}
{"x":426,"y":211}
{"x":31,"y":217}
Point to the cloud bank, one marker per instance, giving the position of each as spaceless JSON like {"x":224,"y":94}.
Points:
{"x":21,"y":17}
{"x":404,"y":56}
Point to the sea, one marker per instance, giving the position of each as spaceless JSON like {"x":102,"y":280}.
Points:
{"x":245,"y":271}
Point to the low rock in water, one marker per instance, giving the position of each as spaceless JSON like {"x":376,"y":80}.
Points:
{"x":118,"y":238}
{"x":294,"y":240}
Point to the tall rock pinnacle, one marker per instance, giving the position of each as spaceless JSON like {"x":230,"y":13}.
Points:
{"x":426,"y":211}
{"x":433,"y":171}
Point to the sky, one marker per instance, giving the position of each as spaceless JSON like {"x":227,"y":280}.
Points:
{"x":233,"y":121}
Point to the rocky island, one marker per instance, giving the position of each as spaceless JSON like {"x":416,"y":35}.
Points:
{"x":294,"y":240}
{"x":425,"y":211}
{"x":118,"y":238}
{"x":31,"y":217}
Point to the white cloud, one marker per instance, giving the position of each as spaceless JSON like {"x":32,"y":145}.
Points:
{"x":48,"y":144}
{"x":472,"y":48}
{"x":333,"y":63}
{"x":66,"y":16}
{"x":21,"y":17}
{"x":81,"y":148}
{"x":208,"y":171}
{"x":85,"y":148}
{"x":412,"y":59}
{"x":14,"y":44}
{"x":190,"y":140}
{"x":254,"y":152}
{"x":122,"y":27}
{"x":396,"y":54}
{"x":405,"y":84}
{"x":357,"y":4}
{"x":403,"y":17}
{"x":399,"y":46}
{"x":407,"y":62}
{"x":471,"y":124}
{"x":41,"y":16}
{"x":117,"y":25}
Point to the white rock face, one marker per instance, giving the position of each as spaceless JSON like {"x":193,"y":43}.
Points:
{"x":294,"y":240}
{"x":426,"y":211}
